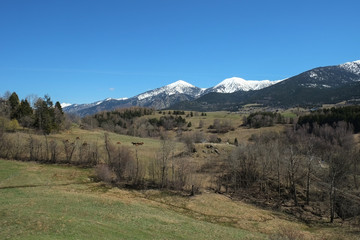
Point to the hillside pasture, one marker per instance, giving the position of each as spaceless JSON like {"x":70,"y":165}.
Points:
{"x":62,"y":202}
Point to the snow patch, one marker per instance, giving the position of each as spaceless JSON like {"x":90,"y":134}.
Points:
{"x":313,"y":74}
{"x":178,"y":87}
{"x":65,"y":105}
{"x":234,"y":84}
{"x":353,"y":67}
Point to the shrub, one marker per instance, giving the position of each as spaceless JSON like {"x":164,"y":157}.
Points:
{"x":104,"y":173}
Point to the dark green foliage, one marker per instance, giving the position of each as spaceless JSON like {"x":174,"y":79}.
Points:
{"x":178,"y":112}
{"x":350,"y":115}
{"x":263,"y":119}
{"x":44,"y":117}
{"x":58,"y":106}
{"x":25,"y":109}
{"x":119,"y":116}
{"x":48,"y":118}
{"x":14,"y":103}
{"x":128,"y":121}
{"x":25,"y":114}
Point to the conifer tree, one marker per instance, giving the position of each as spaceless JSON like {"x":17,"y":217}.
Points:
{"x":14,"y":105}
{"x":58,"y":116}
{"x":44,"y":115}
{"x":25,"y":114}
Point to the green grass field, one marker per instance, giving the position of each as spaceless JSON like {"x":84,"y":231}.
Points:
{"x":60,"y":202}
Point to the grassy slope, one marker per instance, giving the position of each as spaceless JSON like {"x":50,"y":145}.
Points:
{"x":60,"y":202}
{"x":52,"y":202}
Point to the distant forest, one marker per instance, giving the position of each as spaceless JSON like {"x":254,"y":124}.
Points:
{"x":349,"y":114}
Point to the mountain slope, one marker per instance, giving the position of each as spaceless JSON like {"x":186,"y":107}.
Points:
{"x":314,"y":87}
{"x":235,"y":84}
{"x":158,"y":98}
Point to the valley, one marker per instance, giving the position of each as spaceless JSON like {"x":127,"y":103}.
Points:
{"x":54,"y":196}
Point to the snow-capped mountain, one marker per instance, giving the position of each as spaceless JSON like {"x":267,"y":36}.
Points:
{"x":322,"y":85}
{"x":158,"y":98}
{"x":178,"y":87}
{"x":168,"y":95}
{"x":292,"y":89}
{"x":235,"y":84}
{"x":353,"y":67}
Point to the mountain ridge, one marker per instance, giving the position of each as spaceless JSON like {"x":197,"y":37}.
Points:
{"x":311,"y":87}
{"x":314,"y":87}
{"x":166,"y":96}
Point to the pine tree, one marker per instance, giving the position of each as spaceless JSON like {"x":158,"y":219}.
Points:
{"x":25,"y":114}
{"x":44,"y":115}
{"x":58,"y":116}
{"x":14,"y":105}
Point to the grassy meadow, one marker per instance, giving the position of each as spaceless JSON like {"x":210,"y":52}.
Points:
{"x":54,"y":202}
{"x":60,"y":201}
{"x":40,"y":201}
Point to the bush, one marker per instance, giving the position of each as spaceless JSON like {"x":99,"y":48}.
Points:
{"x":104,"y":173}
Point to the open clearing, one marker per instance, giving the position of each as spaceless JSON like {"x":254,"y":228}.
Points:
{"x":62,"y":202}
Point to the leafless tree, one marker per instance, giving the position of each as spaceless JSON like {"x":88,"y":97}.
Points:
{"x":69,"y":149}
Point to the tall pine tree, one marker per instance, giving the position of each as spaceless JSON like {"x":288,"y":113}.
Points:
{"x":14,"y":105}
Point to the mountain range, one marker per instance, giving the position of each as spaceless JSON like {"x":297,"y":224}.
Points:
{"x":331,"y":84}
{"x":168,"y":95}
{"x":320,"y":85}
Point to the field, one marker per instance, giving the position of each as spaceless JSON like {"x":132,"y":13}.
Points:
{"x":62,"y":202}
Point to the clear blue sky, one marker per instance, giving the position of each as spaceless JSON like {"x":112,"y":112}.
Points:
{"x":81,"y":51}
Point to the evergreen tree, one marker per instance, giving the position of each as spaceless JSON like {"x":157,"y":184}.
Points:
{"x":58,"y":106}
{"x":14,"y":105}
{"x":25,"y":114}
{"x":25,"y":109}
{"x":58,"y":116}
{"x":44,"y":115}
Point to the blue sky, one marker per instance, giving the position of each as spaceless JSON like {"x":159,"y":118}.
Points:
{"x":81,"y":51}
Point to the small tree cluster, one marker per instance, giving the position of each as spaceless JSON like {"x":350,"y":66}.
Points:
{"x":263,"y":119}
{"x":45,"y":116}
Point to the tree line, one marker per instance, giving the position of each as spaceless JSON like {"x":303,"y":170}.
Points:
{"x":43,"y":115}
{"x":349,"y":114}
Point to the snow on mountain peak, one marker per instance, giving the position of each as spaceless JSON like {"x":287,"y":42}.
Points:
{"x":234,"y":84}
{"x":179,"y":86}
{"x":65,"y":105}
{"x":180,"y":83}
{"x":353,"y":67}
